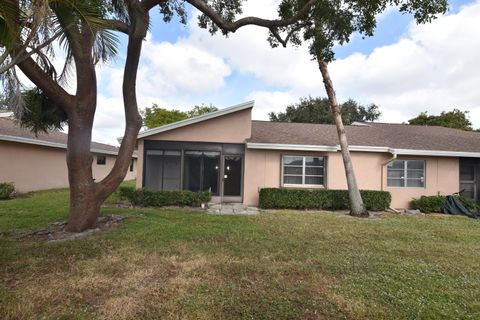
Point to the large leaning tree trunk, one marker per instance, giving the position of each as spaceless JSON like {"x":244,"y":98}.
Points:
{"x":357,"y":208}
{"x":84,"y":28}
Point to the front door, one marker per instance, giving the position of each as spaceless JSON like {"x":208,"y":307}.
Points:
{"x":470,"y":178}
{"x":232,"y":178}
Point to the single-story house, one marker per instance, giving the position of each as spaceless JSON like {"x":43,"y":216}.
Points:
{"x":234,"y":156}
{"x":39,"y":162}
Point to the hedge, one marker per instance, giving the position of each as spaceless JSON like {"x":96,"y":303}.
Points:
{"x":7,"y":190}
{"x":147,"y":197}
{"x":434,"y":204}
{"x":328,"y":199}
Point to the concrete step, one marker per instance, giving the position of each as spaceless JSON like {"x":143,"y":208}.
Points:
{"x":231,"y":209}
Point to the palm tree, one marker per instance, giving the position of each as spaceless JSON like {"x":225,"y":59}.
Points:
{"x":357,"y":208}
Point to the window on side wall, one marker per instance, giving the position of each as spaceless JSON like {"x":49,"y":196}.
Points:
{"x":406,"y":174}
{"x":131,"y":166}
{"x":303,"y":171}
{"x":101,"y":160}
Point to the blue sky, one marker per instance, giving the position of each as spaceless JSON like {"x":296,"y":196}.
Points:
{"x":404,"y":68}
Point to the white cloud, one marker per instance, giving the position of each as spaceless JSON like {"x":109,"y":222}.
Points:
{"x":169,"y":73}
{"x":266,"y":102}
{"x":431,"y":67}
{"x":178,"y":67}
{"x":248,"y":51}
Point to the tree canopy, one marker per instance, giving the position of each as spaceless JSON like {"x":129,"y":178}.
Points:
{"x":317,"y":110}
{"x":456,"y":119}
{"x":156,"y":116}
{"x":331,"y":23}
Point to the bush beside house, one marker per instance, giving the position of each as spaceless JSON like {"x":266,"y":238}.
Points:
{"x":327,"y":199}
{"x":149,"y":198}
{"x":434,"y":204}
{"x":7,"y":190}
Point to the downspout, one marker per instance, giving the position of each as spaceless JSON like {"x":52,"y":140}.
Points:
{"x":394,"y":156}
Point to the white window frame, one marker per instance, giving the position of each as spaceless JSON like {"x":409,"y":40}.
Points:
{"x":405,"y":174}
{"x":303,"y":185}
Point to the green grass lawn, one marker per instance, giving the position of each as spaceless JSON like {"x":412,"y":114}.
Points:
{"x":174,"y":264}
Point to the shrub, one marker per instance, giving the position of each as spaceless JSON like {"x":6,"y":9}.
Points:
{"x":428,"y":203}
{"x":147,"y":197}
{"x":7,"y":190}
{"x":434,"y":204}
{"x":279,"y":198}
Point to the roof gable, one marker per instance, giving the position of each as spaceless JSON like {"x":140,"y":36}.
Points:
{"x":201,"y":118}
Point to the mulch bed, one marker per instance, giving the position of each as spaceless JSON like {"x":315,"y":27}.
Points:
{"x":55,"y":232}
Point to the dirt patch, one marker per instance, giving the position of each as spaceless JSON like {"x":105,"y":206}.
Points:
{"x":55,"y":232}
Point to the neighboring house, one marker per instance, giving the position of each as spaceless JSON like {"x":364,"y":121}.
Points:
{"x":231,"y":155}
{"x":39,"y":163}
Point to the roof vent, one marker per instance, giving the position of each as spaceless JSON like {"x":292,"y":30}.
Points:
{"x":360,"y":124}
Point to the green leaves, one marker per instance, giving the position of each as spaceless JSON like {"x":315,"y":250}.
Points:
{"x":333,"y":22}
{"x":450,"y":119}
{"x":41,"y":114}
{"x":323,"y":199}
{"x":155,"y":116}
{"x":145,"y":197}
{"x":226,"y":9}
{"x":317,"y":110}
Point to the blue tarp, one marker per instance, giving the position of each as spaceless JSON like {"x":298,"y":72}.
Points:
{"x":454,"y":206}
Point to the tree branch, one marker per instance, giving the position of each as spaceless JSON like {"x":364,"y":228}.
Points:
{"x":118,"y":26}
{"x":233,"y":26}
{"x":24,"y":55}
{"x":139,"y":25}
{"x":45,"y":83}
{"x":284,"y":41}
{"x":35,"y":73}
{"x":149,"y":4}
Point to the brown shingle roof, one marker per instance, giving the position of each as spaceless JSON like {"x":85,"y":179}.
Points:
{"x":8,"y":127}
{"x":399,"y":136}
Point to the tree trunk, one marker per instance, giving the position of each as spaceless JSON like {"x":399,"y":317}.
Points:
{"x":84,"y":203}
{"x":357,"y":208}
{"x":86,"y":195}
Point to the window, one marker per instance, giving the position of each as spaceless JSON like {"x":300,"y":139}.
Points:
{"x":163,"y":169}
{"x":201,"y":171}
{"x":131,"y":166}
{"x":303,"y":171}
{"x":101,"y":160}
{"x":406,"y":173}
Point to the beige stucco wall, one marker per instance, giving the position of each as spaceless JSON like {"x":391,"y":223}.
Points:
{"x":263,"y":169}
{"x":101,"y":171}
{"x":31,"y":167}
{"x":231,"y":128}
{"x":441,"y":177}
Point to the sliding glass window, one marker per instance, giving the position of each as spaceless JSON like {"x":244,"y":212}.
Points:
{"x":201,"y":171}
{"x":303,"y":171}
{"x":163,"y":169}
